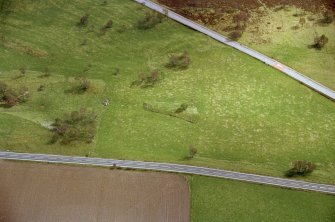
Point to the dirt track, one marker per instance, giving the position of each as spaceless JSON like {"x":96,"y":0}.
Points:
{"x":47,"y":193}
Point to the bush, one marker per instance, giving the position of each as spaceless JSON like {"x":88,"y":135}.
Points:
{"x":11,"y":97}
{"x":301,"y":168}
{"x":182,"y":108}
{"x":320,"y":42}
{"x":328,"y":17}
{"x":23,"y":70}
{"x":46,"y":73}
{"x":235,"y":35}
{"x":75,"y":126}
{"x":108,"y":25}
{"x":82,"y":86}
{"x":147,"y":80}
{"x":150,"y":21}
{"x":241,"y":17}
{"x":83,"y":22}
{"x":302,"y":21}
{"x":179,"y":61}
{"x":3,"y":89}
{"x":4,"y":6}
{"x":192,"y":152}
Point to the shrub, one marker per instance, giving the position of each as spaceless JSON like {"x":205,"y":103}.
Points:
{"x":109,"y":24}
{"x":122,"y":29}
{"x":182,"y":108}
{"x":4,"y":6}
{"x":235,"y":35}
{"x":320,"y":42}
{"x":75,"y":126}
{"x":301,"y":168}
{"x":147,"y":80}
{"x":41,"y":88}
{"x":302,"y":21}
{"x":328,"y":17}
{"x":46,"y":73}
{"x":179,"y":61}
{"x":296,"y":27}
{"x":23,"y":95}
{"x":3,"y":89}
{"x":83,"y":22}
{"x":23,"y":70}
{"x":150,"y":21}
{"x":241,"y":17}
{"x":84,"y":84}
{"x":10,"y":98}
{"x":192,"y":152}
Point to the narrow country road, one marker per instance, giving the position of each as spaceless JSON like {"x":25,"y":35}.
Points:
{"x":267,"y":60}
{"x":167,"y":167}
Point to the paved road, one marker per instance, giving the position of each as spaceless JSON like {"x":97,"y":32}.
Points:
{"x":167,"y":167}
{"x":267,"y":60}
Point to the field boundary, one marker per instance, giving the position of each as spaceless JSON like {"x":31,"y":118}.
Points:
{"x":316,"y":86}
{"x":169,"y":167}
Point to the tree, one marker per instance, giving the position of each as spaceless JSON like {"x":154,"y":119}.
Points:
{"x":301,"y":168}
{"x":320,"y":42}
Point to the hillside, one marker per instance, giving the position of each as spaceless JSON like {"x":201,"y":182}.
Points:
{"x":248,"y":117}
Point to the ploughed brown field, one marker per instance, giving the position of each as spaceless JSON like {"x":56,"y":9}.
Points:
{"x":43,"y":193}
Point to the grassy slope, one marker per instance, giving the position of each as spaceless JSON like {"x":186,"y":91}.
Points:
{"x":252,"y":118}
{"x":25,"y":126}
{"x":291,"y":46}
{"x":218,"y":200}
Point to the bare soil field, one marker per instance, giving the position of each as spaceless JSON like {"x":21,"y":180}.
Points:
{"x":44,"y":193}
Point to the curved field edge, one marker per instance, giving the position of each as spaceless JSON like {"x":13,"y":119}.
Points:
{"x":251,"y":117}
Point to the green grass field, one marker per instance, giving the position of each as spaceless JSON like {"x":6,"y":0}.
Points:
{"x":251,"y":118}
{"x":218,"y":200}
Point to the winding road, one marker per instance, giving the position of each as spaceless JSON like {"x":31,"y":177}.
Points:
{"x":168,"y":167}
{"x":267,"y":60}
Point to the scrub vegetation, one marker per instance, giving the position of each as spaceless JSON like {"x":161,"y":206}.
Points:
{"x":293,"y":32}
{"x":238,"y":113}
